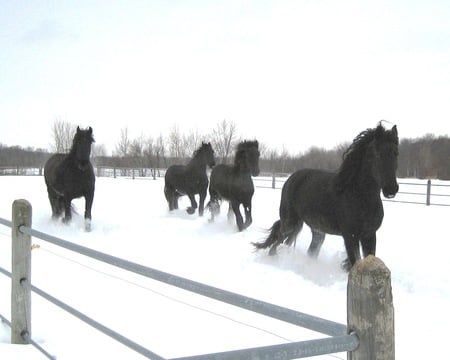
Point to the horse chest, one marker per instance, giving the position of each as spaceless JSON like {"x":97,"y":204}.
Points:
{"x":241,"y":188}
{"x":363,"y":215}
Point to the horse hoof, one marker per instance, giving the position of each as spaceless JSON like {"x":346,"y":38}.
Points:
{"x":346,"y":265}
{"x":190,"y":210}
{"x":87,"y":225}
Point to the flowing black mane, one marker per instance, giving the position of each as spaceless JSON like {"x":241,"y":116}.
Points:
{"x":357,"y":152}
{"x":203,"y":150}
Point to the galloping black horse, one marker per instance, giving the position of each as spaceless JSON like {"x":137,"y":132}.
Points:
{"x":345,"y":203}
{"x":70,"y":176}
{"x":190,"y":179}
{"x":235,"y":184}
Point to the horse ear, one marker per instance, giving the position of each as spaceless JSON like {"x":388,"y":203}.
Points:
{"x":90,"y":130}
{"x":78,"y":129}
{"x":394,"y":130}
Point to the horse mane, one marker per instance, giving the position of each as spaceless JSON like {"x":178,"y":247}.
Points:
{"x":242,"y":147}
{"x":355,"y":153}
{"x":200,"y":149}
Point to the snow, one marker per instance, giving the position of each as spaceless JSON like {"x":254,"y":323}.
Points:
{"x":131,"y":220}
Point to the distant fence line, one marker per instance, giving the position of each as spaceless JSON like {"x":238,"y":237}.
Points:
{"x":424,"y":192}
{"x":369,"y":302}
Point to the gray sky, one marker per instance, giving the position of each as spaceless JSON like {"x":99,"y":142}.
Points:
{"x":288,"y":73}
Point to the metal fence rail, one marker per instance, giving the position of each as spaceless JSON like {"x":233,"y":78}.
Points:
{"x":338,"y":341}
{"x":363,"y":284}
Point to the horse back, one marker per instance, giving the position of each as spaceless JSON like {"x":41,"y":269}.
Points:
{"x":230,"y":184}
{"x":184,"y":179}
{"x":309,"y":194}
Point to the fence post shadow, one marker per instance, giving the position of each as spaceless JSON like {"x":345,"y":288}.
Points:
{"x":370,"y":310}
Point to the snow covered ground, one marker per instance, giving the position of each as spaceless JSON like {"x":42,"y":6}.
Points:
{"x":131,"y":220}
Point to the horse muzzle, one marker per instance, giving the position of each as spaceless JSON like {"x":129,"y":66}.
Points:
{"x":389,"y":192}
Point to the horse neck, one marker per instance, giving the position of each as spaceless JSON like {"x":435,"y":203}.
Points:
{"x":357,"y":177}
{"x":197,"y":163}
{"x":72,"y":155}
{"x":242,"y":170}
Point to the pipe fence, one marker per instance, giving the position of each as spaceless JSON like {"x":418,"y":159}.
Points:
{"x":351,"y":337}
{"x":423,"y":192}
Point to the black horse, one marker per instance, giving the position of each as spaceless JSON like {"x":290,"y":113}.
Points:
{"x":190,"y":179}
{"x":70,"y":176}
{"x":346,"y":202}
{"x":235,"y":184}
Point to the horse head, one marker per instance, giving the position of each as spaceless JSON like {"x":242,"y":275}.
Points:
{"x":247,"y":156}
{"x":208,"y":154}
{"x":385,"y":147}
{"x":81,"y":148}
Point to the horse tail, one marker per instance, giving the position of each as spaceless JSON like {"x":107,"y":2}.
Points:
{"x":275,"y":237}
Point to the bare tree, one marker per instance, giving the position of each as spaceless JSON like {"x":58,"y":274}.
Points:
{"x":124,"y":144}
{"x":192,"y":142}
{"x":160,"y":151}
{"x":62,"y":133}
{"x":176,"y":143}
{"x":224,"y":138}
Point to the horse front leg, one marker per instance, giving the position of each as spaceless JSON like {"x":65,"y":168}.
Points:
{"x":353,"y":254}
{"x":89,"y":199}
{"x":191,"y":209}
{"x":237,"y":214}
{"x":201,"y":206}
{"x":67,"y":210}
{"x":369,"y":244}
{"x":248,"y":214}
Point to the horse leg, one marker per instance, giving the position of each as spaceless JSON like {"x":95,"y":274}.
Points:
{"x":191,"y":209}
{"x":89,"y":199}
{"x":68,"y":210}
{"x":318,"y":238}
{"x":201,"y":206}
{"x":169,"y":193}
{"x":230,"y":213}
{"x":55,"y":204}
{"x":248,"y":214}
{"x":352,"y":247}
{"x":369,"y":244}
{"x":237,"y":213}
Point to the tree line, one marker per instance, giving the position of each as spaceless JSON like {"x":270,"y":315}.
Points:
{"x":424,"y":157}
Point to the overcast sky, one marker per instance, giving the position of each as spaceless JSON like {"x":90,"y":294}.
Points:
{"x":288,"y":73}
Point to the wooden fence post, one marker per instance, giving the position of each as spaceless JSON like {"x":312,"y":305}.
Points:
{"x":21,"y":270}
{"x":428,"y":192}
{"x":370,"y":311}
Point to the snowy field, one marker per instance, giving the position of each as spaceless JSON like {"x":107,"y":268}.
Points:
{"x":131,"y":220}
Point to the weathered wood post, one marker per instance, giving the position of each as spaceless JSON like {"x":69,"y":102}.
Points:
{"x":273,"y":180}
{"x":370,"y":311}
{"x":21,"y":270}
{"x":428,"y":192}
